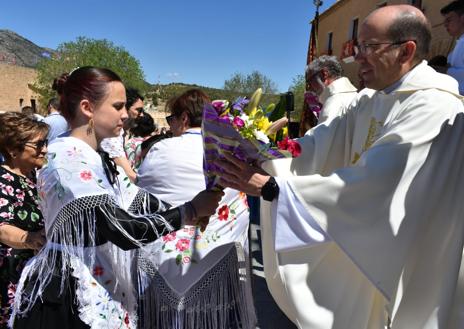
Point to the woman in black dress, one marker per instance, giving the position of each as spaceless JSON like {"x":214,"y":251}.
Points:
{"x":23,"y":144}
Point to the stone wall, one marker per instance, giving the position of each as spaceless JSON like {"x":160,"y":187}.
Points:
{"x":338,"y":20}
{"x":14,"y":82}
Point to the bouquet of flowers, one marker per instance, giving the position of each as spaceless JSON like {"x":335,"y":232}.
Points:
{"x":312,"y":103}
{"x":245,"y":130}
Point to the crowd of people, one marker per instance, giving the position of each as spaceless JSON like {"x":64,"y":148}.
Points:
{"x":106,"y":224}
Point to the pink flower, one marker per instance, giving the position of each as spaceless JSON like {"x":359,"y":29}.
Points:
{"x":98,"y":271}
{"x":223,"y":212}
{"x":3,"y":202}
{"x":238,"y":123}
{"x":8,"y":177}
{"x":169,"y":237}
{"x":8,"y":190}
{"x":20,"y":194}
{"x":85,"y":175}
{"x":219,"y":106}
{"x":186,"y":259}
{"x":311,"y":99}
{"x":6,"y":215}
{"x":290,"y":145}
{"x":183,"y":244}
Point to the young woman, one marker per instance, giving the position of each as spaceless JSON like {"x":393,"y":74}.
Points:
{"x":84,"y":276}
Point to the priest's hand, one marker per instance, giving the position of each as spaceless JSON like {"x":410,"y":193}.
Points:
{"x":241,"y":176}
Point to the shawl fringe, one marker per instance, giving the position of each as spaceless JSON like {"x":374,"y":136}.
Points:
{"x":221,"y":299}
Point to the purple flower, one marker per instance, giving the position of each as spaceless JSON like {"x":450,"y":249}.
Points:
{"x":240,"y":103}
{"x":237,"y":122}
{"x":219,"y":106}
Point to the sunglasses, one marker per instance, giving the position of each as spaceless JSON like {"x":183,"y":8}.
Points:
{"x":39,"y":144}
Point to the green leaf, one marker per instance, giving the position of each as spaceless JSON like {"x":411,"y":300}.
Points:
{"x":22,"y":214}
{"x":34,"y":217}
{"x":179,"y":259}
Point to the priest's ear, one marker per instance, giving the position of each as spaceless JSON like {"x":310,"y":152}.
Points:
{"x":407,"y":52}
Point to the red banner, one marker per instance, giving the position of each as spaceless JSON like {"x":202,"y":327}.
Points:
{"x":313,"y":43}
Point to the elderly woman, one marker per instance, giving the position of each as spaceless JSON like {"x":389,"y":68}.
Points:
{"x":23,"y":143}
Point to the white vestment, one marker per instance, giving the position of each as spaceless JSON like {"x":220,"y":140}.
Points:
{"x":336,"y":98}
{"x":369,"y":220}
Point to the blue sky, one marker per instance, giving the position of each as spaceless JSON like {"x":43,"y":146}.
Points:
{"x":202,"y":42}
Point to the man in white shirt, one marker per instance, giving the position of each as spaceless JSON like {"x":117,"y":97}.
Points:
{"x":365,"y":229}
{"x":57,"y":122}
{"x":334,"y":91}
{"x":454,"y":24}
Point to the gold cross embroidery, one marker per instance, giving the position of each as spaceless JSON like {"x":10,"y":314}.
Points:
{"x":372,"y":136}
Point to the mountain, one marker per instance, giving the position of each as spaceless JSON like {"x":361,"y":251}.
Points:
{"x":14,"y":49}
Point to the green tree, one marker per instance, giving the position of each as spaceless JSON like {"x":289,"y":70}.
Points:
{"x":249,"y":83}
{"x":87,"y":52}
{"x":298,"y":89}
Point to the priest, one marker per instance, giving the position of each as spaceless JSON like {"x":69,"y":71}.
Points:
{"x":365,"y":229}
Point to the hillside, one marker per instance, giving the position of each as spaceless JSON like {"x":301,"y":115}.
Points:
{"x":165,"y":92}
{"x":14,"y":49}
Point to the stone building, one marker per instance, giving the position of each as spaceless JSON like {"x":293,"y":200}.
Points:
{"x":14,"y":90}
{"x":338,"y":28}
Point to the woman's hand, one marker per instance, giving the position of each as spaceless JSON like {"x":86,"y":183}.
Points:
{"x":17,"y":238}
{"x":34,"y":240}
{"x":206,"y":202}
{"x":203,"y":205}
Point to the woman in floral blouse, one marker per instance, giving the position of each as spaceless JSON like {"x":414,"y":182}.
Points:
{"x":23,"y":144}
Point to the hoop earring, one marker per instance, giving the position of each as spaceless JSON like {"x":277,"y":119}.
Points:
{"x":90,"y":126}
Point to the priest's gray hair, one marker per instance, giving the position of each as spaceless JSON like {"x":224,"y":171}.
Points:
{"x":330,"y":63}
{"x":410,"y":26}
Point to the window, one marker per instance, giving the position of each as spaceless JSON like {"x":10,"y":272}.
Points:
{"x":21,"y":102}
{"x":354,"y":29}
{"x":330,"y":43}
{"x":33,"y":105}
